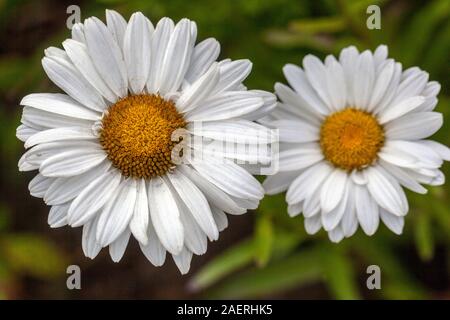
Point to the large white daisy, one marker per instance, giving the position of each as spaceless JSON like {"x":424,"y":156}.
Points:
{"x":104,"y":148}
{"x":351,"y":134}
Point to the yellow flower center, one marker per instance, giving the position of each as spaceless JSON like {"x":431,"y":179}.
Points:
{"x":137,"y":135}
{"x":351,"y":139}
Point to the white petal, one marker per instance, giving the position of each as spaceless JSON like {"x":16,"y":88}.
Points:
{"x":231,"y":178}
{"x":316,"y":73}
{"x":414,"y":126}
{"x":220,"y":218}
{"x":177,"y":58}
{"x":117,"y":213}
{"x":69,"y":79}
{"x":366,"y":210}
{"x":136,"y":51}
{"x":205,"y":53}
{"x":442,"y":150}
{"x":225,"y":106}
{"x":403,"y":178}
{"x":194,"y":238}
{"x":199,"y":90}
{"x":386,"y":191}
{"x":337,"y":89}
{"x":400,"y":109}
{"x":391,"y":89}
{"x":412,"y":84}
{"x":79,"y":56}
{"x":349,"y":222}
{"x":381,"y":84}
{"x":216,"y":196}
{"x":336,"y":235}
{"x":116,"y":25}
{"x":364,"y":79}
{"x":330,"y":220}
{"x":60,"y":104}
{"x":117,"y":248}
{"x":90,"y":246}
{"x":348,"y":58}
{"x":296,"y":131}
{"x":24,"y":132}
{"x":72,"y":163}
{"x":139,"y":221}
{"x":393,"y":222}
{"x":295,"y":209}
{"x":299,"y":158}
{"x":57,"y":216}
{"x":60,"y":134}
{"x":153,"y":251}
{"x":196,"y":202}
{"x":308,"y":182}
{"x":183,"y":260}
{"x":305,"y":97}
{"x":66,"y":189}
{"x":36,"y":118}
{"x":279,"y":182}
{"x":313,"y":224}
{"x":78,"y":32}
{"x":235,"y":130}
{"x":159,"y":42}
{"x":380,"y":55}
{"x":165,"y":215}
{"x":232,"y":73}
{"x":106,"y":55}
{"x":92,"y":198}
{"x":332,"y":190}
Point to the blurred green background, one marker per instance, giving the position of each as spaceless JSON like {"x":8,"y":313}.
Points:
{"x":263,"y":254}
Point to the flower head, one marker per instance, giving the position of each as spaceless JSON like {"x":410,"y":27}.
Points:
{"x":352,"y":134}
{"x":106,"y":148}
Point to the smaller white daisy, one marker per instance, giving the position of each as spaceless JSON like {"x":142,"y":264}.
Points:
{"x":105,"y":149}
{"x":352,"y":133}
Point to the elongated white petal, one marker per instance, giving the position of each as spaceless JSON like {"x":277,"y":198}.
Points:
{"x":117,"y":25}
{"x":227,"y":105}
{"x":154,"y":250}
{"x":296,"y":131}
{"x":106,"y":55}
{"x":215,"y":195}
{"x":401,"y":109}
{"x":117,"y":213}
{"x":333,"y":190}
{"x":79,"y":56}
{"x":366,"y":210}
{"x":196,"y":202}
{"x":60,"y":104}
{"x":69,"y":79}
{"x":177,"y":58}
{"x":183,"y":260}
{"x":205,"y":53}
{"x":72,"y":163}
{"x":414,"y":126}
{"x":199,"y":90}
{"x":141,"y":215}
{"x":386,"y":192}
{"x":92,"y":198}
{"x":232,"y":73}
{"x":136,"y":51}
{"x":117,"y":248}
{"x":165,"y":216}
{"x":57,"y":216}
{"x":89,"y":243}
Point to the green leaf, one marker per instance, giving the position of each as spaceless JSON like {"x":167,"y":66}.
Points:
{"x":424,"y":236}
{"x":263,"y":240}
{"x":318,"y":25}
{"x":299,"y":269}
{"x":33,"y":255}
{"x":340,"y":276}
{"x":232,"y":259}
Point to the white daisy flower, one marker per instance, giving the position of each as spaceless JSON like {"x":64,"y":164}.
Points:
{"x":351,"y":134}
{"x":104,"y":148}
